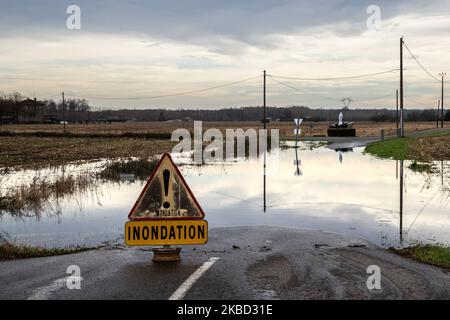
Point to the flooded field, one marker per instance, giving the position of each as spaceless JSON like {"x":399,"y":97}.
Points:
{"x":311,"y":187}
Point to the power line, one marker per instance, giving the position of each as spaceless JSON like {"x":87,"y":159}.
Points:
{"x":167,"y":95}
{"x":336,"y":78}
{"x":418,"y":62}
{"x":325,"y":97}
{"x":302,"y":91}
{"x":374,"y":98}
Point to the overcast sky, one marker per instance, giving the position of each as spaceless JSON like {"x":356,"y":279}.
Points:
{"x":127,"y":50}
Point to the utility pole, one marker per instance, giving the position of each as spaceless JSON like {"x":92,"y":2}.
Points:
{"x":265,"y":137}
{"x":64,"y":113}
{"x":402,"y":125}
{"x":438,"y":113}
{"x":264,"y":100}
{"x":396,"y":106}
{"x":442,"y":74}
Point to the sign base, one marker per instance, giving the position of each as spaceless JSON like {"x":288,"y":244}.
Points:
{"x":166,"y":254}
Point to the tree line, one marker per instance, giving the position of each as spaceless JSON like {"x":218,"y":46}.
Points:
{"x":16,"y":108}
{"x":255,"y":113}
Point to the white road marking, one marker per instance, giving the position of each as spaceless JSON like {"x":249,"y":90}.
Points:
{"x":184,"y":288}
{"x":43,"y":293}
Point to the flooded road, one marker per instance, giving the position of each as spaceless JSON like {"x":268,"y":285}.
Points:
{"x":316,"y":188}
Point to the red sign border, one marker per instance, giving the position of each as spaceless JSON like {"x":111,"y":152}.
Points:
{"x":148,"y":183}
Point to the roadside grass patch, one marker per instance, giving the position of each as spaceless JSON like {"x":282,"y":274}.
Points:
{"x":437,"y":255}
{"x":10,"y":251}
{"x":428,"y":148}
{"x":431,"y":148}
{"x":440,"y":134}
{"x":396,"y":148}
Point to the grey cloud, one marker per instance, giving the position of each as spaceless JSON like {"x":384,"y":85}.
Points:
{"x":201,"y":21}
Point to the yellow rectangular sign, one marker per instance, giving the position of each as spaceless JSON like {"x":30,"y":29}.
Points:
{"x":166,"y":232}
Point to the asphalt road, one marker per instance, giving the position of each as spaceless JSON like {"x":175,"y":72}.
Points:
{"x":265,"y":263}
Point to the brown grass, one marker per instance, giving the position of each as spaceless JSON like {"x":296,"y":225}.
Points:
{"x":363,"y":129}
{"x":31,"y":151}
{"x":34,"y":152}
{"x":430,"y":148}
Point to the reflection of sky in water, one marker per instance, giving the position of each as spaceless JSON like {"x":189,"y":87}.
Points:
{"x":358,"y":196}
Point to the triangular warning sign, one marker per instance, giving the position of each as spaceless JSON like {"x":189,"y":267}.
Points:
{"x":166,"y":196}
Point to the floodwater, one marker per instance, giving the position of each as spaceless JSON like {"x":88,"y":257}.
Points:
{"x":316,"y":188}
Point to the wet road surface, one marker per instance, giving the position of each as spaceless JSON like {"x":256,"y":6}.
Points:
{"x":243,"y":263}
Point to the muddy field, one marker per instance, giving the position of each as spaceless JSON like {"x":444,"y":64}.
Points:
{"x":363,"y":129}
{"x":38,"y":147}
{"x":31,"y":152}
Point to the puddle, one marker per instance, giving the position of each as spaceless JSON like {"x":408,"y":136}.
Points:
{"x":271,"y":276}
{"x":314,"y":188}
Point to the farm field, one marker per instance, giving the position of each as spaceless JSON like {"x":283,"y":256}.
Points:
{"x":363,"y":129}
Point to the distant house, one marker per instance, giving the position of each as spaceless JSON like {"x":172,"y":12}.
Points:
{"x":29,"y":109}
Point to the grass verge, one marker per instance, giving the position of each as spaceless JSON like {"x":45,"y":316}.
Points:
{"x":436,"y":255}
{"x":397,"y":148}
{"x":19,"y":251}
{"x":433,"y":147}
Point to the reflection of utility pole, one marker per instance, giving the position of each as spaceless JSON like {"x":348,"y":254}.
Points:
{"x":442,"y":74}
{"x":401,"y":202}
{"x":396,"y":169}
{"x":264,"y":182}
{"x":442,"y":173}
{"x":297,"y":163}
{"x":402,"y":125}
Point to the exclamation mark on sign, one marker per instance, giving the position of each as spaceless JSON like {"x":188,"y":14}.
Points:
{"x":166,"y":177}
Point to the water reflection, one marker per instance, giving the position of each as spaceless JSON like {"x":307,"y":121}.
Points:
{"x":383,"y":201}
{"x":401,"y":203}
{"x":264,"y":181}
{"x":341,"y":151}
{"x":297,"y":163}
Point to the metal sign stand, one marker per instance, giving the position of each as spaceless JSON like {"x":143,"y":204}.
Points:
{"x":140,"y":217}
{"x":166,"y":254}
